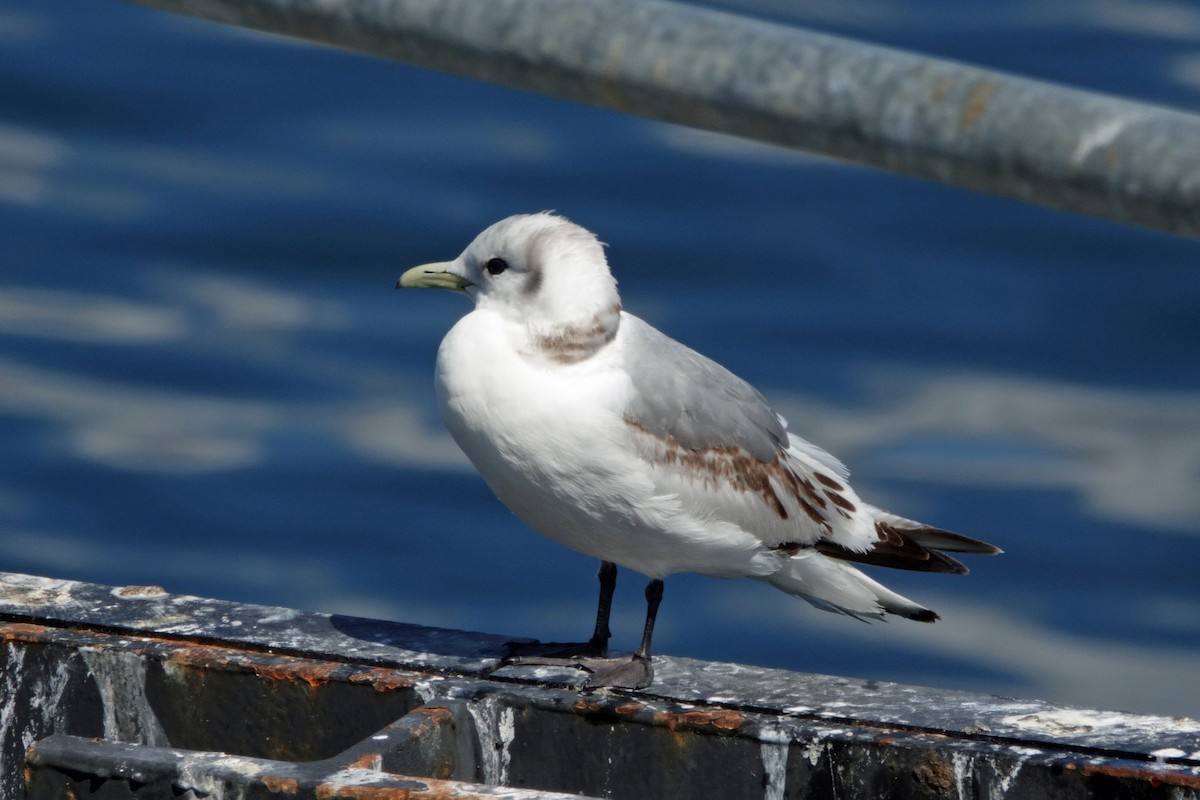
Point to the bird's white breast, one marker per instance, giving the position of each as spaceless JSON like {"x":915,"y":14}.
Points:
{"x":552,"y":442}
{"x":545,"y":436}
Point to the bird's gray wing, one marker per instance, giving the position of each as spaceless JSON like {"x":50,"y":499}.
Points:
{"x":680,"y":394}
{"x":714,"y":443}
{"x":717,"y":446}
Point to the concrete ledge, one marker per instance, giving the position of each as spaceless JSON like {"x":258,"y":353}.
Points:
{"x":117,"y":692}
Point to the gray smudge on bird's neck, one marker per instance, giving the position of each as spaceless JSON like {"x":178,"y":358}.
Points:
{"x":571,"y":342}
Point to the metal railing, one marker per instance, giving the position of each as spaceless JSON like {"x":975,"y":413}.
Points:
{"x":921,"y":116}
{"x":136,"y":694}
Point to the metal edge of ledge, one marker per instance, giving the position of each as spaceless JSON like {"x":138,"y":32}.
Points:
{"x":926,"y":117}
{"x":107,"y":682}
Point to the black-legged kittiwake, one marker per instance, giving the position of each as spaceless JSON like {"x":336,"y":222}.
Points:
{"x":615,"y":440}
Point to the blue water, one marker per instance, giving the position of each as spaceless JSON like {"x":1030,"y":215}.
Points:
{"x":207,"y":381}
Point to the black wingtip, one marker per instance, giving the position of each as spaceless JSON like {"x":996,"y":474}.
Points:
{"x":939,"y":539}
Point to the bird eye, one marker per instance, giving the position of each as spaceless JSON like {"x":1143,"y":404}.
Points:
{"x":495,"y":266}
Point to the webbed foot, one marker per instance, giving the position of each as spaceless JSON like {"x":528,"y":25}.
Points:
{"x":632,"y":672}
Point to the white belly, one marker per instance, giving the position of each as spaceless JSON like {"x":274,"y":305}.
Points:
{"x":550,"y":441}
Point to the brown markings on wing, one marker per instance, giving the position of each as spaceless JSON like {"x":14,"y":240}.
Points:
{"x":895,"y":549}
{"x":803,"y":492}
{"x":844,"y":506}
{"x":830,"y":482}
{"x":832,"y":489}
{"x":733,"y":466}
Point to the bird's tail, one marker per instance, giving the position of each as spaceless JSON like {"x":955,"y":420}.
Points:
{"x":905,"y":544}
{"x":834,"y":585}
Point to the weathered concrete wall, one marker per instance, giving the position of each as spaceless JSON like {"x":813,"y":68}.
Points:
{"x":119,"y":693}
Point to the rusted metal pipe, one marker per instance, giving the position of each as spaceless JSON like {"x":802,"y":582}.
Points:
{"x":913,"y":114}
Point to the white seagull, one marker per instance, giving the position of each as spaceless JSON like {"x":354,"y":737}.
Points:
{"x":615,"y":440}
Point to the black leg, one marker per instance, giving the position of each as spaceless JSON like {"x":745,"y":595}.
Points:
{"x":608,"y":585}
{"x":626,"y":672}
{"x":560,"y":652}
{"x":635,"y":672}
{"x":654,"y":595}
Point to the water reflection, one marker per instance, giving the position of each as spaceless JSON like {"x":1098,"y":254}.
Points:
{"x":1133,"y":455}
{"x":1034,"y":658}
{"x":206,"y":381}
{"x":75,"y":316}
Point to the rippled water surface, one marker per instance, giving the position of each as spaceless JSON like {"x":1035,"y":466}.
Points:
{"x":207,"y":381}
